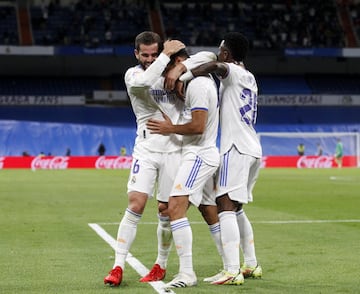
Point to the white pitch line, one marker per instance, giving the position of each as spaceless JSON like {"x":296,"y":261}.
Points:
{"x":270,"y":222}
{"x":310,"y":221}
{"x":131,"y":260}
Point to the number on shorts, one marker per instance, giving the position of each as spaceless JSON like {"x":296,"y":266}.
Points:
{"x":136,"y":167}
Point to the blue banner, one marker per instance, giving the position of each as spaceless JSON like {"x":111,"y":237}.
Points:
{"x":319,"y":52}
{"x":79,"y":50}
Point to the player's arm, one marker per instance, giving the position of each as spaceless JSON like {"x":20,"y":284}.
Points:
{"x":221,"y":69}
{"x":139,"y":80}
{"x":193,"y":61}
{"x":195,"y":127}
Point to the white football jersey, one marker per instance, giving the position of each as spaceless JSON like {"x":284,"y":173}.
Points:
{"x":238,"y":110}
{"x":148,"y":98}
{"x":201,"y":93}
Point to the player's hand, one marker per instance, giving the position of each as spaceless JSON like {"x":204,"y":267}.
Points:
{"x":172,"y":46}
{"x":160,"y":127}
{"x":172,"y":76}
{"x":180,"y":90}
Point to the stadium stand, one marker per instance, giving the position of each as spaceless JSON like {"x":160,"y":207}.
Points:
{"x":88,"y":23}
{"x":268,"y":84}
{"x":275,"y":24}
{"x":270,"y":25}
{"x":61,"y":86}
{"x":8,"y":25}
{"x":333,"y":84}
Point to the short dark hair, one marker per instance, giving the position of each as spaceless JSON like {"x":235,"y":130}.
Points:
{"x":181,"y":52}
{"x":237,"y":44}
{"x":148,"y":38}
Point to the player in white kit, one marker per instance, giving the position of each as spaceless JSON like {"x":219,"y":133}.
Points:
{"x":155,"y":156}
{"x":241,"y":154}
{"x":200,"y":160}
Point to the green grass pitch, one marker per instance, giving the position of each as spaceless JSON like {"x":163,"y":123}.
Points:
{"x":306,"y":223}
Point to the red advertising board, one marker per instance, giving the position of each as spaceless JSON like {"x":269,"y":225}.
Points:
{"x":120,"y":162}
{"x":65,"y":162}
{"x":307,"y":161}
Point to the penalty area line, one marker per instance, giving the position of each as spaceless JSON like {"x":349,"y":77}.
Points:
{"x":130,"y":259}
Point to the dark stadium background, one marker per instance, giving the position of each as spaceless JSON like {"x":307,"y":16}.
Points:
{"x":69,"y":48}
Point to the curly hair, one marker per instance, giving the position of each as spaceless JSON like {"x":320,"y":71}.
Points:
{"x":237,"y":44}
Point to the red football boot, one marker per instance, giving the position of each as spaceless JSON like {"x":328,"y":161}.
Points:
{"x":114,"y":277}
{"x":156,"y":274}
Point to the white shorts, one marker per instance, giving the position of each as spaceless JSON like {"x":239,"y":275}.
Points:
{"x":209,"y":192}
{"x":154,"y":170}
{"x":192,"y":177}
{"x":237,"y":175}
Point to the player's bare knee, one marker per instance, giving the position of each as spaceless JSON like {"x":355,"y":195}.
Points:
{"x":163,"y":208}
{"x":209,"y":213}
{"x":137,"y":202}
{"x":224,"y":203}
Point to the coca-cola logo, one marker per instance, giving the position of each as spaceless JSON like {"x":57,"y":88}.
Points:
{"x":113,"y":163}
{"x":2,"y":159}
{"x":315,"y":162}
{"x":56,"y":162}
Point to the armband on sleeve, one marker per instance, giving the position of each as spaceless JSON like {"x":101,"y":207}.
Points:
{"x":186,"y":76}
{"x":199,"y":59}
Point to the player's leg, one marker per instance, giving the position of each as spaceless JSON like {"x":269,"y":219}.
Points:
{"x":209,"y":213}
{"x":227,"y":203}
{"x":188,"y":187}
{"x":164,"y":237}
{"x":250,"y":267}
{"x":167,"y":172}
{"x":140,"y":186}
{"x":182,"y":236}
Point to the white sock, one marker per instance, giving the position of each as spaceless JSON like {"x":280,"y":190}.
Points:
{"x":216,"y":235}
{"x":164,"y":236}
{"x":125,"y":236}
{"x":247,"y":238}
{"x":182,"y":235}
{"x":230,"y":238}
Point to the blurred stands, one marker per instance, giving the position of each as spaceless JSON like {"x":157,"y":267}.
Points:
{"x":333,"y":84}
{"x":311,"y":84}
{"x":88,"y":22}
{"x":269,"y":25}
{"x":61,"y":86}
{"x":8,"y":24}
{"x":354,"y":11}
{"x":279,"y":84}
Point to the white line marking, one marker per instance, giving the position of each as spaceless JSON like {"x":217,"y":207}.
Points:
{"x":343,"y":178}
{"x":310,"y":221}
{"x":131,"y":260}
{"x":269,"y":222}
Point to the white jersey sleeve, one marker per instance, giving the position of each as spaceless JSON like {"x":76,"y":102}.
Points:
{"x":138,"y":81}
{"x":148,"y":99}
{"x":199,"y":59}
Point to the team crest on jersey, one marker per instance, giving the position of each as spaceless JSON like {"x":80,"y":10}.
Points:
{"x":133,"y":180}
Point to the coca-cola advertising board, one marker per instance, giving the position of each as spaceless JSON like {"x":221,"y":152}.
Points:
{"x":124,"y":162}
{"x":307,"y":161}
{"x":65,"y":162}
